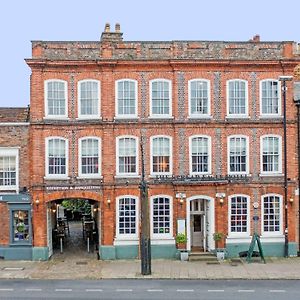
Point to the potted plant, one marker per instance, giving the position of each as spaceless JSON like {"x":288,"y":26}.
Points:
{"x":181,"y":240}
{"x":220,"y":252}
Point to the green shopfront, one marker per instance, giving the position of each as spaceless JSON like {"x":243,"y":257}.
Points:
{"x":16,"y":236}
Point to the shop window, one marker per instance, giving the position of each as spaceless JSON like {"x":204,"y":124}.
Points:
{"x":21,"y":226}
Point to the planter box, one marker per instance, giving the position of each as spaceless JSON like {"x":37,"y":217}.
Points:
{"x":184,"y":255}
{"x":220,"y":254}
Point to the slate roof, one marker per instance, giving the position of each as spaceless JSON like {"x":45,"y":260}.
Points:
{"x":14,"y":114}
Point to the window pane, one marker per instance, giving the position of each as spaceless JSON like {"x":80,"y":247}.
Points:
{"x":126,"y":98}
{"x":56,"y":98}
{"x":238,"y":215}
{"x":90,"y":156}
{"x":57,"y":156}
{"x":237,"y":154}
{"x":199,"y":97}
{"x":160,"y":98}
{"x":161,"y":155}
{"x":89,"y":98}
{"x":161,"y":224}
{"x":20,"y":225}
{"x":8,"y":171}
{"x":127,"y":155}
{"x":270,"y":97}
{"x":237,"y":97}
{"x":200,"y":155}
{"x":271,"y":216}
{"x":270,"y":155}
{"x":127,"y":207}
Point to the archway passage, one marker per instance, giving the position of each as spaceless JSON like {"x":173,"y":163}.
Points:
{"x":73,"y":227}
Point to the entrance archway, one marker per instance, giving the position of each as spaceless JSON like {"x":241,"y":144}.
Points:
{"x":73,"y":232}
{"x":200,"y":220}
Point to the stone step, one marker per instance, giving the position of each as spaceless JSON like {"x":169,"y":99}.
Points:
{"x":202,"y":256}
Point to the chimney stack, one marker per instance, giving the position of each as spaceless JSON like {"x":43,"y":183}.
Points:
{"x":108,"y":36}
{"x":256,"y":39}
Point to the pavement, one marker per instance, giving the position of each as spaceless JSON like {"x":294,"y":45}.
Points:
{"x":81,"y":268}
{"x":77,"y":263}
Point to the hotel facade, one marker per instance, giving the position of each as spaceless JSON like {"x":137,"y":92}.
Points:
{"x":206,"y":121}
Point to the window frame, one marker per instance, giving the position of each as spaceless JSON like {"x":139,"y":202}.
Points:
{"x":161,"y":235}
{"x":270,"y":233}
{"x":247,"y":155}
{"x":152,"y":173}
{"x":8,"y":152}
{"x":46,"y":106}
{"x":126,"y":116}
{"x":209,"y":154}
{"x":235,"y":115}
{"x":232,"y":234}
{"x":261,"y":102}
{"x":80,"y":174}
{"x":127,"y":237}
{"x":91,"y":116}
{"x":56,"y":176}
{"x":136,"y":173}
{"x":197,"y":115}
{"x":266,"y":173}
{"x":12,"y":209}
{"x":160,"y":116}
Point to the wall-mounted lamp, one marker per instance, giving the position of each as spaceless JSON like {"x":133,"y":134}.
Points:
{"x":108,"y":203}
{"x":291,"y":200}
{"x":95,"y":209}
{"x":37,"y":201}
{"x":221,"y":197}
{"x":181,"y":197}
{"x":54,"y":210}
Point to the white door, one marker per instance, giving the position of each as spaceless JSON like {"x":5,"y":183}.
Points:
{"x":197,"y":230}
{"x":197,"y":219}
{"x":49,"y":231}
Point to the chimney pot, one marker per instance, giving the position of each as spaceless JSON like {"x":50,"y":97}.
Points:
{"x":117,"y":27}
{"x":256,"y":38}
{"x":107,"y":27}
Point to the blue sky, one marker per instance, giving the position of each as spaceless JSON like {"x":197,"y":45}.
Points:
{"x":233,"y":20}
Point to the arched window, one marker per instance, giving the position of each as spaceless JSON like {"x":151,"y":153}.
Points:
{"x":238,"y":155}
{"x":271,"y":153}
{"x":270,"y":97}
{"x":199,"y":98}
{"x":161,"y":155}
{"x":89,"y":157}
{"x":200,"y":155}
{"x":161,"y":212}
{"x":160,"y":98}
{"x":272,"y":214}
{"x":239,"y":221}
{"x":89,"y":99}
{"x":126,"y":98}
{"x":56,"y":104}
{"x":127,"y":155}
{"x":237,"y":98}
{"x":56,"y":157}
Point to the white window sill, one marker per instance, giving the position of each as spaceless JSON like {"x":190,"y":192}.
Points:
{"x":56,"y":178}
{"x":271,"y":117}
{"x":90,"y":176}
{"x":200,"y":117}
{"x":8,"y":188}
{"x":232,"y":239}
{"x":62,"y":118}
{"x":157,"y":117}
{"x":266,"y":238}
{"x":126,"y":241}
{"x":87,"y":118}
{"x":129,"y":176}
{"x":271,"y":174}
{"x":237,"y":117}
{"x":5,"y":191}
{"x":239,"y":174}
{"x":162,"y":240}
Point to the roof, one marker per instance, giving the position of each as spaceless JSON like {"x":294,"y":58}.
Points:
{"x":14,"y":114}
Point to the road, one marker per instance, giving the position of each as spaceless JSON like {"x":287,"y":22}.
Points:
{"x":150,"y":289}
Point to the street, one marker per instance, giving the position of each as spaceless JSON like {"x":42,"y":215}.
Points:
{"x":150,"y":289}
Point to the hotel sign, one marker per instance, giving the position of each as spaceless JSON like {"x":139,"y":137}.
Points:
{"x":73,"y":187}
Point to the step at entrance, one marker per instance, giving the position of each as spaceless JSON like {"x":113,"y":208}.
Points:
{"x":202,"y":256}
